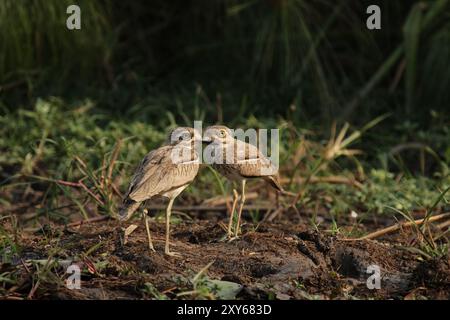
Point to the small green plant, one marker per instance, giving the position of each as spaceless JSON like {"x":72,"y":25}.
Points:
{"x":150,"y":290}
{"x":426,"y":244}
{"x":9,"y":239}
{"x":335,"y":230}
{"x":337,"y":146}
{"x":206,"y":288}
{"x":255,"y":215}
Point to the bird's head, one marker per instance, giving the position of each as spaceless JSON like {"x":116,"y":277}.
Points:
{"x":217,"y":134}
{"x":184,"y":136}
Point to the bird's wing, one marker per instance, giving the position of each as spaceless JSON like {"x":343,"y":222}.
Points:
{"x":251,"y":161}
{"x":157,"y":174}
{"x":246,"y":151}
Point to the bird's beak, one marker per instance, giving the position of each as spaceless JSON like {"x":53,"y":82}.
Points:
{"x":206,"y":140}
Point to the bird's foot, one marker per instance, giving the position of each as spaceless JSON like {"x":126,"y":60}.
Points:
{"x":230,"y":239}
{"x":127,"y":231}
{"x":151,"y":249}
{"x":173,"y":254}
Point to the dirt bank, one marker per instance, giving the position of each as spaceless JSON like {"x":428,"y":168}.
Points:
{"x":277,"y":260}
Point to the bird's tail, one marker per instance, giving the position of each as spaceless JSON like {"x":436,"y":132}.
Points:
{"x":127,"y":208}
{"x":275,"y":183}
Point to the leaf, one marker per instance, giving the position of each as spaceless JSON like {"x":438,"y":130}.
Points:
{"x":224,"y":290}
{"x":236,"y":9}
{"x":129,"y":230}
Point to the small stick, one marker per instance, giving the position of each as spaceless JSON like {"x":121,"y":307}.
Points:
{"x":397,"y":226}
{"x":82,"y":185}
{"x":443,"y":224}
{"x":114,"y":187}
{"x":81,"y":222}
{"x":114,"y":158}
{"x":209,"y":208}
{"x":169,"y":290}
{"x":33,"y":289}
{"x":329,"y":179}
{"x":221,"y":200}
{"x":24,"y":265}
{"x":68,"y":183}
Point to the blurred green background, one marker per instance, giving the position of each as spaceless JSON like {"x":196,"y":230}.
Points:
{"x":261,"y":56}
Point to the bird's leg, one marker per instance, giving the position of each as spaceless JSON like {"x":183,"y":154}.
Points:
{"x":168,"y":213}
{"x":149,"y":237}
{"x":241,"y":206}
{"x":233,"y":208}
{"x":277,"y":199}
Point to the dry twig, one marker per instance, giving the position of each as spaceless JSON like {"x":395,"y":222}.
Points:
{"x":398,"y":226}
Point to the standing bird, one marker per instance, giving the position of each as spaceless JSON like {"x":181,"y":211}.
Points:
{"x":246,"y":162}
{"x":165,"y":172}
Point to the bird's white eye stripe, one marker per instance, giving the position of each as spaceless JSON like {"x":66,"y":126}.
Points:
{"x":183,"y":136}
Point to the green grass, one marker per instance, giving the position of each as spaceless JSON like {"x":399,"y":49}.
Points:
{"x":78,"y":161}
{"x":9,"y":239}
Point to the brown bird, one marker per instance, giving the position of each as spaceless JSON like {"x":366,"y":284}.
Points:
{"x":165,"y":172}
{"x":246,"y":162}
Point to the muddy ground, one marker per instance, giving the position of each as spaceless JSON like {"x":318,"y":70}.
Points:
{"x":278,"y":260}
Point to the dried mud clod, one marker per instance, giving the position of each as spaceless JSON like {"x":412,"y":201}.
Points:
{"x":433,"y":273}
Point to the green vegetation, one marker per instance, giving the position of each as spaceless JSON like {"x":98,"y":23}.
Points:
{"x":73,"y":156}
{"x":260,"y":56}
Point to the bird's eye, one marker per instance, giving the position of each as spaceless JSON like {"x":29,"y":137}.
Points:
{"x":222,"y":133}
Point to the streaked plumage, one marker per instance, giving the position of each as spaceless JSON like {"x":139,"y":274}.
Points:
{"x":247,"y":162}
{"x":157,"y":175}
{"x":165,"y":172}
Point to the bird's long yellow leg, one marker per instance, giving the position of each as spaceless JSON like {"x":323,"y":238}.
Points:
{"x":149,"y":237}
{"x":241,"y":206}
{"x":168,"y":213}
{"x":233,"y":208}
